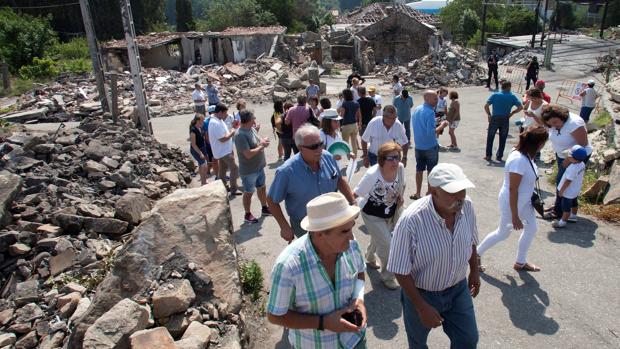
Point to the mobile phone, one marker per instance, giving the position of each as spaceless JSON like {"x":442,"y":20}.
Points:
{"x":354,"y":317}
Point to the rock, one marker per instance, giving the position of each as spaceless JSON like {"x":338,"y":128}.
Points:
{"x":94,"y":167}
{"x":613,"y":195}
{"x":28,"y":313}
{"x":597,"y":190}
{"x":230,"y":339}
{"x":108,"y":226}
{"x":177,"y":324}
{"x":112,"y":329}
{"x":73,"y":287}
{"x":6,"y":316}
{"x":28,"y":341}
{"x":156,"y":338}
{"x":611,"y":154}
{"x":202,"y":235}
{"x":53,"y":341}
{"x":68,"y":303}
{"x":172,"y":297}
{"x":48,"y":229}
{"x":131,"y":206}
{"x":19,"y":249}
{"x":96,"y":151}
{"x":7,"y":339}
{"x":171,"y":177}
{"x":106,"y":185}
{"x":199,"y":331}
{"x":10,"y":185}
{"x":67,"y":140}
{"x":110,"y":163}
{"x":62,"y":261}
{"x":70,"y":224}
{"x":81,"y":309}
{"x":25,"y":115}
{"x":190,"y":343}
{"x":27,"y":292}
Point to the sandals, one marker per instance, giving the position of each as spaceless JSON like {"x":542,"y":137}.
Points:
{"x":414,"y":197}
{"x":526,"y":267}
{"x":481,"y":268}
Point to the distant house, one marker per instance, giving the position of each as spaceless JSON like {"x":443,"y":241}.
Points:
{"x":179,"y":50}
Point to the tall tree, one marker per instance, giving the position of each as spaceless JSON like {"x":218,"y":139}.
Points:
{"x":246,"y":13}
{"x":185,"y":19}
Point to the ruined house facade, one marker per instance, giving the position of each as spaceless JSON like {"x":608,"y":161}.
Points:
{"x":384,"y":33}
{"x":180,"y":50}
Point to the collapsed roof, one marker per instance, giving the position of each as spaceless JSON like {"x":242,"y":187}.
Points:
{"x":375,"y":12}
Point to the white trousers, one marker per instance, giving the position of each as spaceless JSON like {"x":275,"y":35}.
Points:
{"x":380,"y":230}
{"x":528,"y":217}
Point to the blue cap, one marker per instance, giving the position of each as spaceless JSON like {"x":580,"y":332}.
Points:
{"x":211,"y":108}
{"x":579,"y":153}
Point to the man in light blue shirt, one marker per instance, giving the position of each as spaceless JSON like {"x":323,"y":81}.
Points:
{"x":499,"y":119}
{"x":308,"y":174}
{"x":212,"y":93}
{"x":403,"y":104}
{"x":425,"y":133}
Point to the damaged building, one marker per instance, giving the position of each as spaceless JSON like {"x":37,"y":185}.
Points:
{"x":384,"y":33}
{"x":180,"y":50}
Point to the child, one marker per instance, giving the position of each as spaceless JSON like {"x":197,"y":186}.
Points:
{"x":570,"y":185}
{"x":453,"y":117}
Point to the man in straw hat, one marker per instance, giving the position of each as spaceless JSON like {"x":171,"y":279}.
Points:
{"x":433,"y":243}
{"x":317,"y":289}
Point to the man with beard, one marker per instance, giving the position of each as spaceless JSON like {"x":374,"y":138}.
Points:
{"x":433,"y":243}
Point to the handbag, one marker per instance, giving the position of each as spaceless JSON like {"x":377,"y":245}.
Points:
{"x":401,"y":191}
{"x":312,"y":119}
{"x":537,"y":201}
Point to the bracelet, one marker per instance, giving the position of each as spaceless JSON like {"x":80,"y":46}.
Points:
{"x":321,"y":327}
{"x":358,"y":290}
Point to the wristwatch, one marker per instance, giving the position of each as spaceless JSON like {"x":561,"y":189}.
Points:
{"x":321,"y":327}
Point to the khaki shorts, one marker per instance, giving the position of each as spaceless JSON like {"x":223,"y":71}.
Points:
{"x":454,"y":124}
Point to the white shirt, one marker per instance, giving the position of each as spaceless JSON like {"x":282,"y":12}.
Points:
{"x":589,"y":100}
{"x":229,"y":121}
{"x":356,"y":95}
{"x":378,"y":102}
{"x":339,"y":103}
{"x":217,"y":130}
{"x":329,"y":140}
{"x":397,"y":88}
{"x":441,"y":105}
{"x":529,"y":121}
{"x":374,"y":187}
{"x":563,"y":139}
{"x":574,"y":173}
{"x":376,"y":134}
{"x":520,"y":164}
{"x":198,"y":95}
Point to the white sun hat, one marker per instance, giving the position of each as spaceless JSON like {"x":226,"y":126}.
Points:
{"x":328,"y":211}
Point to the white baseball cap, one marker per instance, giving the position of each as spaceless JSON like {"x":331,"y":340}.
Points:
{"x":449,"y":177}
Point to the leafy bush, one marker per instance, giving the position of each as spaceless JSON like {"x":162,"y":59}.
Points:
{"x":468,"y":25}
{"x":518,"y":20}
{"x":78,"y":66}
{"x":221,"y":14}
{"x":252,"y":279}
{"x":23,"y":37}
{"x":39,"y":69}
{"x":74,"y":49}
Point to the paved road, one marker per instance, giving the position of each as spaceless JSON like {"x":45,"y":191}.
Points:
{"x":572,"y":303}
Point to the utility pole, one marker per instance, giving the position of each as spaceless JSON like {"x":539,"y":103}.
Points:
{"x":535,"y":31}
{"x":484,"y":22}
{"x":542,"y":37}
{"x":603,"y":19}
{"x":94,"y":54}
{"x":136,"y":67}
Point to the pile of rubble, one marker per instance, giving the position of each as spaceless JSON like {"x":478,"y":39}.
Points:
{"x":68,"y":203}
{"x":450,"y":66}
{"x":73,"y":97}
{"x":522,"y":57}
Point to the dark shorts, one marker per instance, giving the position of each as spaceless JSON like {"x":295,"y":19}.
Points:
{"x":200,"y":109}
{"x":568,"y":204}
{"x":197,"y":156}
{"x":209,"y":152}
{"x":425,"y":160}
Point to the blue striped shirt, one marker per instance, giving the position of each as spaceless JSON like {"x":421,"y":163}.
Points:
{"x":423,"y":247}
{"x":299,"y":282}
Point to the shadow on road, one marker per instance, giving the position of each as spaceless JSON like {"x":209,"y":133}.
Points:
{"x":581,"y":234}
{"x":249,"y":231}
{"x":383,"y":307}
{"x":526,"y":303}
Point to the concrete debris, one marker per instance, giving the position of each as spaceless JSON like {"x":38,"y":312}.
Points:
{"x":522,"y":57}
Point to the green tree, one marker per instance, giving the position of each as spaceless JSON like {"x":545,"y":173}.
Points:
{"x":518,"y":20}
{"x":468,"y":25}
{"x":281,"y":9}
{"x":564,"y":16}
{"x":346,"y":5}
{"x":221,"y":14}
{"x":24,"y":37}
{"x":184,"y":18}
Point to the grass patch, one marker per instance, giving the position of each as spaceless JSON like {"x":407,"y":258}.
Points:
{"x":602,"y":119}
{"x":252,"y":279}
{"x":18,"y":87}
{"x":609,"y":213}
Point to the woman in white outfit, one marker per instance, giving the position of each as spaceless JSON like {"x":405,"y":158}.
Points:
{"x":381,"y":190}
{"x":515,"y":198}
{"x":330,"y":131}
{"x":533,"y":107}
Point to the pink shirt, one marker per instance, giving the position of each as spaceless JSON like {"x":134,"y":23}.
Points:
{"x":298,"y":115}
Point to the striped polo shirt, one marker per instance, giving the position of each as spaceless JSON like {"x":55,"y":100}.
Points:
{"x":423,"y":247}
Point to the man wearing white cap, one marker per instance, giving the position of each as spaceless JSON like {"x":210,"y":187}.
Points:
{"x":317,"y":287}
{"x":588,"y":101}
{"x":433,"y":243}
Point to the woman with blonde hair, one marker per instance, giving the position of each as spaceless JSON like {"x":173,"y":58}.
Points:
{"x":381,"y":192}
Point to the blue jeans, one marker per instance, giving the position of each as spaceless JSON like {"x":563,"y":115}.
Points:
{"x":372,"y":157}
{"x":407,"y":125}
{"x":455,"y":306}
{"x":502,"y":124}
{"x":425,"y":160}
{"x":253,"y":180}
{"x":585,"y":113}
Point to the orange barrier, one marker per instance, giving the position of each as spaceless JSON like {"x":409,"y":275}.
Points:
{"x":568,"y":93}
{"x":514,"y":74}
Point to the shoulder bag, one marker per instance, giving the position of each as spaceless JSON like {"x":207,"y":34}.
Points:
{"x":537,"y":201}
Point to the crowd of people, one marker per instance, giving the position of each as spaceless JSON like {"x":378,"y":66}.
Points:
{"x":429,"y":250}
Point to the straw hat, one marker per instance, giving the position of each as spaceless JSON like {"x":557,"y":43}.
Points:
{"x":331,"y":114}
{"x":328,"y":211}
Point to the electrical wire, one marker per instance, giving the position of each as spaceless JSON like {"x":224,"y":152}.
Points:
{"x":42,"y":6}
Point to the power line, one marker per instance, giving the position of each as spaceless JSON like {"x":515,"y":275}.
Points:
{"x":42,"y":6}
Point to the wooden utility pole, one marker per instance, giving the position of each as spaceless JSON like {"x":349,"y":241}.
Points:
{"x":114,"y":90}
{"x":603,"y":19}
{"x":542,"y":36}
{"x":535,"y":31}
{"x":6,"y":78}
{"x":484,"y":22}
{"x":136,"y":69}
{"x":94,"y":54}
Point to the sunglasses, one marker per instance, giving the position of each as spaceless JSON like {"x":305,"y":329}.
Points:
{"x":314,"y":146}
{"x":392,"y":158}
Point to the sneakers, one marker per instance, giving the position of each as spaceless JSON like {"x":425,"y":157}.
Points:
{"x":265,"y":211}
{"x":249,"y":218}
{"x":390,"y":284}
{"x":572,"y":218}
{"x":559,"y":224}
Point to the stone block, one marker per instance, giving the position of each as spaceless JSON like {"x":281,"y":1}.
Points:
{"x":172,"y":297}
{"x":10,"y":185}
{"x":113,"y":329}
{"x":156,"y":338}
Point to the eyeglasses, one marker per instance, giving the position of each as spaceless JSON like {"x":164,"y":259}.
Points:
{"x":392,"y":158}
{"x":314,"y":146}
